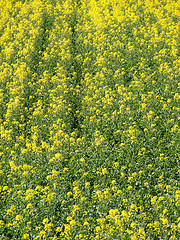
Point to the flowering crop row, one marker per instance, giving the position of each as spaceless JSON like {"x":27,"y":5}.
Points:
{"x":89,"y":119}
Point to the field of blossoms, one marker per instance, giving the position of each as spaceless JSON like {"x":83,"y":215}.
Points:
{"x":89,"y":119}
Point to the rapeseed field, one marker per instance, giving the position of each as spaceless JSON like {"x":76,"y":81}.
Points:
{"x":89,"y":119}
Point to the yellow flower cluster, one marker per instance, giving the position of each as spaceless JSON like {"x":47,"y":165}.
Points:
{"x":89,"y":119}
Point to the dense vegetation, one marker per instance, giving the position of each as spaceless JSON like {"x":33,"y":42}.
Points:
{"x":89,"y":117}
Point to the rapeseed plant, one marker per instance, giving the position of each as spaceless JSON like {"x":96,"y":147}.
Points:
{"x":89,"y":115}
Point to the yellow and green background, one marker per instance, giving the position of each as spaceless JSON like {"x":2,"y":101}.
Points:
{"x":89,"y":119}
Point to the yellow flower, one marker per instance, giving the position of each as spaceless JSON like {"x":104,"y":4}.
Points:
{"x":49,"y":177}
{"x":116,"y":164}
{"x":113,"y":182}
{"x":164,"y":221}
{"x":47,"y":227}
{"x":73,"y":223}
{"x":104,"y":171}
{"x":42,"y":234}
{"x":178,"y":226}
{"x":82,"y":160}
{"x":86,"y":223}
{"x":130,"y":188}
{"x":5,"y":188}
{"x":156,"y":224}
{"x":87,"y":184}
{"x":66,"y":169}
{"x":25,"y":173}
{"x":99,"y":193}
{"x":9,"y":211}
{"x":133,"y":225}
{"x":54,"y":173}
{"x":119,"y":192}
{"x":26,"y":236}
{"x":29,"y":205}
{"x":146,"y":184}
{"x":58,"y":155}
{"x":29,"y":194}
{"x":124,"y":213}
{"x":153,"y":200}
{"x":113,"y":212}
{"x":173,"y":237}
{"x":69,"y":194}
{"x":68,"y":218}
{"x":133,"y":207}
{"x":98,"y":229}
{"x":38,"y":188}
{"x":141,"y":232}
{"x":45,"y":221}
{"x":18,"y":218}
{"x":134,"y":238}
{"x":75,"y":208}
{"x":83,"y":199}
{"x":58,"y":229}
{"x":129,"y":231}
{"x":176,"y":96}
{"x":160,"y":199}
{"x":1,"y":223}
